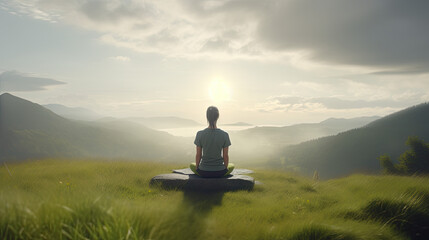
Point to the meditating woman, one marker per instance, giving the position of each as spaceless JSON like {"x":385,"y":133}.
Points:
{"x":211,"y":159}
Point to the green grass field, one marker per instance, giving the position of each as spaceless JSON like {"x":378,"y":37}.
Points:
{"x":59,"y":199}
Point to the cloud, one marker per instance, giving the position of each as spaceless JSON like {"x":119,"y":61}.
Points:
{"x":14,"y":81}
{"x":362,"y":95}
{"x":121,"y":58}
{"x":400,"y":72}
{"x":386,"y":33}
{"x":173,"y":28}
{"x":300,"y":104}
{"x":387,"y":36}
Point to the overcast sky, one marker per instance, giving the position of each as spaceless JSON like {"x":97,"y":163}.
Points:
{"x":262,"y":62}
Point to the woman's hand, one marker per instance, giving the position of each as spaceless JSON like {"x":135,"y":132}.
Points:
{"x":225,"y":157}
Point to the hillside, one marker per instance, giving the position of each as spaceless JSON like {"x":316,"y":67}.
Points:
{"x":30,"y":131}
{"x":357,"y":150}
{"x":52,"y":199}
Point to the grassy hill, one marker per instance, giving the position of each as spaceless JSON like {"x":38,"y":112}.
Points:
{"x":54,"y":199}
{"x":30,"y":131}
{"x":357,"y":150}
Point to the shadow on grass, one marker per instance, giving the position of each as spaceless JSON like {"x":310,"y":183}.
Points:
{"x":189,"y":219}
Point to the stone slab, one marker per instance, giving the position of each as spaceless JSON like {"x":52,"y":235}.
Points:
{"x":239,"y":171}
{"x":194,"y":182}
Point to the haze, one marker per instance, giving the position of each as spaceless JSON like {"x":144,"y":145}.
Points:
{"x":261,"y":62}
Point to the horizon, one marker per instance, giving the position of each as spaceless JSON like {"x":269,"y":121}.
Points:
{"x":226,"y":125}
{"x":270,"y":62}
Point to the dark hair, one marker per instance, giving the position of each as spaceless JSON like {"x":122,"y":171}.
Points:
{"x":212,"y":115}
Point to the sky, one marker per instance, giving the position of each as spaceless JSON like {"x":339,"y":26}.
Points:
{"x":262,"y":62}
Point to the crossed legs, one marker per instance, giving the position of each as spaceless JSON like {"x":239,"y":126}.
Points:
{"x":201,"y":173}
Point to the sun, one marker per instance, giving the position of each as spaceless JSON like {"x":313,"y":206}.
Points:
{"x":220,"y":91}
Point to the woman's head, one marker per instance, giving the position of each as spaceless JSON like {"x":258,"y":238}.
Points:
{"x":212,"y":116}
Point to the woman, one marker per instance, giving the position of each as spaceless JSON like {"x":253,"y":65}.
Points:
{"x":211,"y":142}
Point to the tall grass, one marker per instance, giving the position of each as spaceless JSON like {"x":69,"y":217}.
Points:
{"x":90,"y":199}
{"x":408,"y":214}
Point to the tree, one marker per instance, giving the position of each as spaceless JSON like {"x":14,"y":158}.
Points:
{"x":414,"y":160}
{"x":387,"y":165}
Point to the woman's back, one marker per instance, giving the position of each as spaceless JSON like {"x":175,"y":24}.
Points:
{"x":212,"y":141}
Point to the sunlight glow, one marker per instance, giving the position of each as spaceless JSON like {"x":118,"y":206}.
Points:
{"x":220,"y":91}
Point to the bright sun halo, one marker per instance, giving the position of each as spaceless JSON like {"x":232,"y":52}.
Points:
{"x":219,"y":91}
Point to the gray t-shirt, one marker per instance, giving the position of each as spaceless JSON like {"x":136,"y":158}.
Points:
{"x":212,"y":142}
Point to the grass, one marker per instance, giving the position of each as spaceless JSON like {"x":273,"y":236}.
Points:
{"x":90,"y":199}
{"x":408,"y":213}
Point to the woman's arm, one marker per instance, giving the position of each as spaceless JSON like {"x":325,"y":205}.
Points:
{"x":198,"y":156}
{"x":225,"y":157}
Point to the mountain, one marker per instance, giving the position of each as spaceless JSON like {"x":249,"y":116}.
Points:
{"x":357,"y":150}
{"x":238,"y":124}
{"x":343,"y":124}
{"x":302,"y":132}
{"x":165,"y":122}
{"x":259,"y":144}
{"x":30,"y":131}
{"x":75,"y":113}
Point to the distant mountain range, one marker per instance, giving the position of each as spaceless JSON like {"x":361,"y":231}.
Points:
{"x":337,"y":146}
{"x":357,"y":150}
{"x":260,"y":144}
{"x":76,"y":113}
{"x":239,"y":124}
{"x":30,"y":131}
{"x":294,"y":134}
{"x":33,"y":131}
{"x":165,"y":122}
